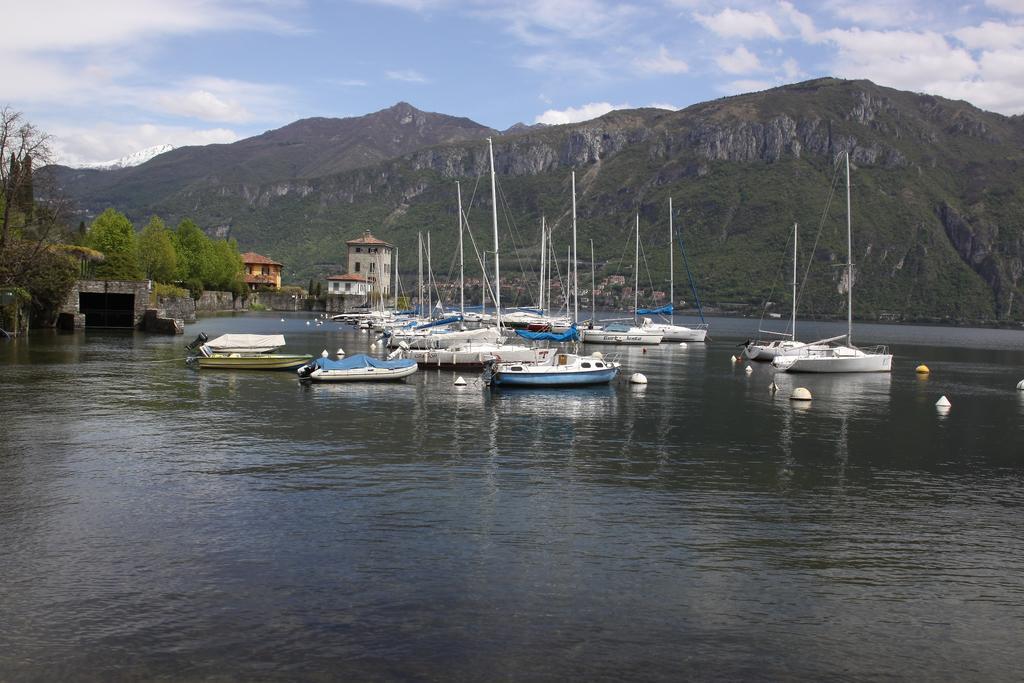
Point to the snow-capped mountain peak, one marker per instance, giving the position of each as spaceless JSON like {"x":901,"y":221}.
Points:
{"x":133,"y":159}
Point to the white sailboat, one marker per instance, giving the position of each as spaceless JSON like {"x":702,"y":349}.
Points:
{"x":670,"y":331}
{"x":486,"y":344}
{"x":620,"y":332}
{"x":825,"y":355}
{"x":767,"y":350}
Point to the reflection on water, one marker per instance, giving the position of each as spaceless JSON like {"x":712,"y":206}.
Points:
{"x":159,"y":521}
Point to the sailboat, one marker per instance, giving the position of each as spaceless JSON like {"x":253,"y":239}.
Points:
{"x":826,"y":355}
{"x":765,"y":350}
{"x":490,"y":345}
{"x":620,"y":332}
{"x":671,"y":331}
{"x":558,"y":369}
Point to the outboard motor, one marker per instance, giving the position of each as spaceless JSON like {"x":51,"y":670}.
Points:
{"x":307,"y":369}
{"x":197,"y":342}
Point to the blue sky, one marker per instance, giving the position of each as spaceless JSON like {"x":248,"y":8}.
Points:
{"x":109,"y":77}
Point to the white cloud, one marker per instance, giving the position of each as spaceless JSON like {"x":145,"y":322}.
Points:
{"x":406,"y":76}
{"x":876,"y":13}
{"x":991,"y":34}
{"x":731,"y":23}
{"x":538,"y":22}
{"x":576,"y":114}
{"x":739,"y":61}
{"x":664,"y":105}
{"x":745,"y":86}
{"x":791,"y":69}
{"x":1009,"y":6}
{"x":902,"y":59}
{"x":662,"y":63}
{"x":72,"y":25}
{"x":75,"y":145}
{"x":803,"y":23}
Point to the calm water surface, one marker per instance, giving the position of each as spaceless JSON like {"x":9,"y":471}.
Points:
{"x":157,"y":522}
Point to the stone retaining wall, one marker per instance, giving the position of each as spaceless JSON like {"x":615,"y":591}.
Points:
{"x":179,"y":307}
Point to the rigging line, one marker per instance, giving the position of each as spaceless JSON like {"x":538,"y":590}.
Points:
{"x":513,"y":234}
{"x":689,"y":275}
{"x":817,"y":237}
{"x":771,"y":292}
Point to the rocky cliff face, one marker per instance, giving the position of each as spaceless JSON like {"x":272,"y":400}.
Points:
{"x":937,"y":186}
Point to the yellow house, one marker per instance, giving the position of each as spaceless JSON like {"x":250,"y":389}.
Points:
{"x":261,"y":271}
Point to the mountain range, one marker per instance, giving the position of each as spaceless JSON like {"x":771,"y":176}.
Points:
{"x":937,"y":199}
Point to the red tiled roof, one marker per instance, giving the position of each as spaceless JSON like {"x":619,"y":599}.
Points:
{"x":367,"y":238}
{"x":350,"y":277}
{"x":252,"y":257}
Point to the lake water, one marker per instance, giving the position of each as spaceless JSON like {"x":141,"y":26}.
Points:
{"x":157,"y":522}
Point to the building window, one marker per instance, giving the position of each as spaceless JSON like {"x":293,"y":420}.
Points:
{"x":348,"y":286}
{"x":266,"y":270}
{"x":357,"y":266}
{"x":373,"y":266}
{"x":359,"y":250}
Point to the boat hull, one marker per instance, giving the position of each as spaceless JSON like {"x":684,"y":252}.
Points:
{"x":872,"y":362}
{"x":630,"y":338}
{"x":455,"y":359}
{"x":263,"y":362}
{"x":553,"y":378}
{"x":362,"y":374}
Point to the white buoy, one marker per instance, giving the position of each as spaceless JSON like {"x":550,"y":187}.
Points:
{"x":307,"y":322}
{"x":683,"y":344}
{"x":800,"y":394}
{"x":748,"y":370}
{"x":1020,"y":385}
{"x":638,"y":378}
{"x":943,"y":403}
{"x":282,"y":319}
{"x":773,"y":387}
{"x":324,"y":354}
{"x":459,"y":381}
{"x":373,"y":345}
{"x":339,"y":353}
{"x":733,"y":358}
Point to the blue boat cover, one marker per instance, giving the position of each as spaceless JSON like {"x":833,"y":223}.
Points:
{"x":361,"y":360}
{"x":437,"y":323}
{"x":411,"y":311}
{"x":664,"y":310}
{"x":569,"y":335}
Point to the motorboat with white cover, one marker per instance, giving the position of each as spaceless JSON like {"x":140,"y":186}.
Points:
{"x":357,"y":368}
{"x":676,"y":333}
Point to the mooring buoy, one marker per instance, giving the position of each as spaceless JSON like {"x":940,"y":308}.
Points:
{"x":638,"y":378}
{"x":800,"y":394}
{"x":459,"y":381}
{"x":922,"y":369}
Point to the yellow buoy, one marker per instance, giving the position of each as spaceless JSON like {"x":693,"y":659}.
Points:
{"x":922,"y":369}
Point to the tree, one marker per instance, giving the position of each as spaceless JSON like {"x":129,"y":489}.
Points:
{"x":113,"y":234}
{"x":225,"y":266}
{"x":21,"y":145}
{"x":156,"y":251}
{"x":192,"y":247}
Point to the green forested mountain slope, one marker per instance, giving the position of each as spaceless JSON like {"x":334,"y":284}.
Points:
{"x":938,"y":210}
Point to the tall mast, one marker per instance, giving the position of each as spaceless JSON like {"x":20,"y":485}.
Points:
{"x":540,"y":294}
{"x":793,"y":323}
{"x":593,"y":285}
{"x":419,"y":273}
{"x":394,"y":285}
{"x":636,"y":270}
{"x":849,"y":260}
{"x":430,"y":281}
{"x":574,"y":277}
{"x":671,"y":264}
{"x":462,"y":265}
{"x":494,"y":215}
